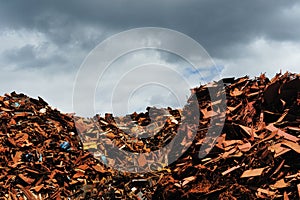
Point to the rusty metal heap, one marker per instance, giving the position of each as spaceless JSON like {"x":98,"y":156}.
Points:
{"x":46,"y":154}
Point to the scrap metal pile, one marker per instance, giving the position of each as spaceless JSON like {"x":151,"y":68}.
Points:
{"x":41,"y":155}
{"x":45,"y":154}
{"x":257,"y":155}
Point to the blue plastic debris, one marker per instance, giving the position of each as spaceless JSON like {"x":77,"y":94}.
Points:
{"x":41,"y":158}
{"x":15,"y":104}
{"x":28,"y":157}
{"x":103,"y":158}
{"x":65,"y":146}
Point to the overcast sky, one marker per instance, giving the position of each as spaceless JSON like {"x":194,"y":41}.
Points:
{"x":44,"y":43}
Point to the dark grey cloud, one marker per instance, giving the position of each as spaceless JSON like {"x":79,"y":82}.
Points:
{"x":27,"y":57}
{"x":215,"y":24}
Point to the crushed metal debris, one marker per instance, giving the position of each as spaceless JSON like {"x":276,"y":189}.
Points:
{"x":46,"y":154}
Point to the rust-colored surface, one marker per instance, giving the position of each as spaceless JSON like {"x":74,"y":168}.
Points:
{"x":44,"y":156}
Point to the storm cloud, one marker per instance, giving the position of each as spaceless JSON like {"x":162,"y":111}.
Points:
{"x":44,"y":43}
